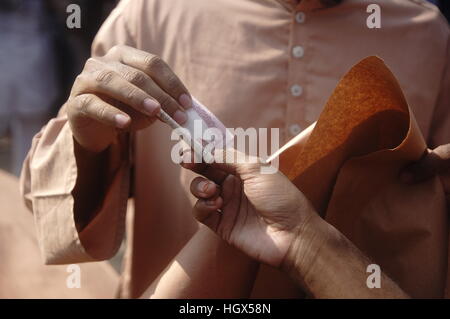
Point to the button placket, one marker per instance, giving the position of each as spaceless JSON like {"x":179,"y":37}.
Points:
{"x":296,"y":76}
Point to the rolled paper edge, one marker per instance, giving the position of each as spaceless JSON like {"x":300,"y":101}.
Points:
{"x":211,"y":121}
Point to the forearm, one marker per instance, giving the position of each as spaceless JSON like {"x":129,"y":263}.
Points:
{"x":206,"y":267}
{"x":327,"y":265}
{"x":94,"y":172}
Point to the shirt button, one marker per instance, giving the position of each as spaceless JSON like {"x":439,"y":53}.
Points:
{"x":300,"y":17}
{"x":294,"y":129}
{"x":296,"y":90}
{"x":298,"y":51}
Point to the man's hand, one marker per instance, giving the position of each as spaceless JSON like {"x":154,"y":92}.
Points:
{"x":435,"y":162}
{"x":269,"y":219}
{"x":260,"y":214}
{"x":124,"y":90}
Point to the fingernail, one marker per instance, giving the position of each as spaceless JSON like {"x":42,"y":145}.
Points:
{"x":203,"y":186}
{"x":185,"y":101}
{"x":121,"y":120}
{"x":151,"y":106}
{"x":180,"y":117}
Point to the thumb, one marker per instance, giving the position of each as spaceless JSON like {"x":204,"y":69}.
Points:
{"x":235,"y":162}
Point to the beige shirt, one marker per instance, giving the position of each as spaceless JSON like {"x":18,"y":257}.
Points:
{"x":270,"y":63}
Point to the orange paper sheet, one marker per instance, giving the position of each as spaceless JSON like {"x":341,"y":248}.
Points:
{"x":348,"y":166}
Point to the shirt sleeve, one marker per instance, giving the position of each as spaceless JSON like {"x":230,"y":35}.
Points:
{"x":50,"y":171}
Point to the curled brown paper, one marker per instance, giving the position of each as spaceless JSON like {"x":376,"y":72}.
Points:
{"x":348,"y":166}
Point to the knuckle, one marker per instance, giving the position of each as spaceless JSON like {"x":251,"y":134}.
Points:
{"x":153,"y":62}
{"x":90,"y":63}
{"x":115,"y":49}
{"x":173,"y":83}
{"x":101,"y":112}
{"x":136,"y":78}
{"x":80,"y":78}
{"x":104,"y":76}
{"x":79,"y":82}
{"x":81,"y":103}
{"x":165,"y":101}
{"x":71,"y":112}
{"x":131,"y":94}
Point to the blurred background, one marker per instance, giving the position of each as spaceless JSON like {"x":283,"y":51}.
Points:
{"x":39,"y":58}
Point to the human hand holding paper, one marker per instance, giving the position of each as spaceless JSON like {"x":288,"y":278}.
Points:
{"x":261,"y":214}
{"x":125,"y":90}
{"x":270,"y":220}
{"x":348,"y":166}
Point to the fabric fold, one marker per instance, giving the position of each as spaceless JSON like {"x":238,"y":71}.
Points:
{"x":49,"y":177}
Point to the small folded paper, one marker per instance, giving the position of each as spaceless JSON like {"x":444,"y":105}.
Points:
{"x":202,"y":132}
{"x":348,"y":166}
{"x":201,"y":119}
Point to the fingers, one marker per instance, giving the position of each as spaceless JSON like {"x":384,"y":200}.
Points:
{"x":210,"y":208}
{"x":235,"y":162}
{"x":433,"y":162}
{"x":127,"y":85}
{"x":111,"y":84}
{"x":204,"y":189}
{"x":157,"y":69}
{"x":205,"y":210}
{"x":226,"y":162}
{"x":232,"y":196}
{"x":92,"y":107}
{"x":148,"y":85}
{"x":206,"y":170}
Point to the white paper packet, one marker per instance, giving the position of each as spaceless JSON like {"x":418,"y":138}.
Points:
{"x":203,"y":131}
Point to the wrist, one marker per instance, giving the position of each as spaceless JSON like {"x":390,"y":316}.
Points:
{"x":304,"y":250}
